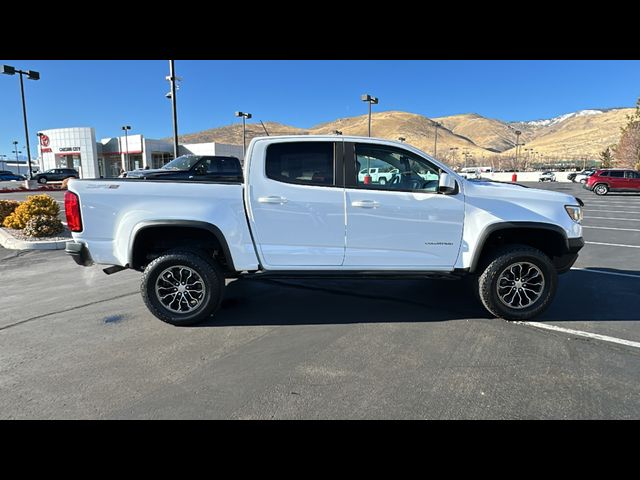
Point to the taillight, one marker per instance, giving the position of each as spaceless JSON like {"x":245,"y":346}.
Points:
{"x":72,"y":209}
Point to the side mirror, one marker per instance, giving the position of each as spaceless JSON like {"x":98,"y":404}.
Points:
{"x":446,"y":184}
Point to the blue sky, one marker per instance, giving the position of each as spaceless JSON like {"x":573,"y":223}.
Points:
{"x":108,"y":94}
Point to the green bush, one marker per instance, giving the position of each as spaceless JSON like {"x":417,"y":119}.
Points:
{"x":43,"y":226}
{"x":7,"y":207}
{"x":33,"y":206}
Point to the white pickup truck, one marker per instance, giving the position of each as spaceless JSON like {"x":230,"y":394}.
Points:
{"x":303,"y":211}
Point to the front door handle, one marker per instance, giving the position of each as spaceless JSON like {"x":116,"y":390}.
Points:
{"x":365,"y":204}
{"x":273,"y":200}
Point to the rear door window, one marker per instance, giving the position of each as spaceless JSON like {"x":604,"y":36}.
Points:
{"x":616,"y":174}
{"x":306,"y":163}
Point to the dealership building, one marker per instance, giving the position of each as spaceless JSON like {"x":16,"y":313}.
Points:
{"x":77,"y":148}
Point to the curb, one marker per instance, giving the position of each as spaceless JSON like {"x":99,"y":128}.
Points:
{"x":10,"y":242}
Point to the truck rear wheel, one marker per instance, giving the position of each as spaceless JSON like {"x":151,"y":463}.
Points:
{"x":182,"y":287}
{"x":518,"y":283}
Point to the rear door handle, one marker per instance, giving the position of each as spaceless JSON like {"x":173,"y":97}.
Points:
{"x":365,"y":204}
{"x":273,"y":200}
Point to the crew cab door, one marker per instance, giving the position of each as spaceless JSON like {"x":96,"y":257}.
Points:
{"x":296,"y":202}
{"x":405,"y":223}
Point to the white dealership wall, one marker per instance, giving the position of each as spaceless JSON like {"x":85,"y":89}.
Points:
{"x":69,"y":148}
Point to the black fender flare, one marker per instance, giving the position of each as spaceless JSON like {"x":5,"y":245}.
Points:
{"x":494,"y":227}
{"x":180,"y":223}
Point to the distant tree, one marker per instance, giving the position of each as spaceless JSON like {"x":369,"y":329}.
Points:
{"x":606,"y":157}
{"x":627,"y":152}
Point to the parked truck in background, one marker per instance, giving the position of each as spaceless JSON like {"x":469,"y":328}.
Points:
{"x":303,"y":210}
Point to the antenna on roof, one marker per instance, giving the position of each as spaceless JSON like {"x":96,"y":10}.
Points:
{"x":265,"y":128}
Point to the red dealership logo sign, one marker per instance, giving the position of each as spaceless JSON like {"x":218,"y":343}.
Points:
{"x":44,"y":140}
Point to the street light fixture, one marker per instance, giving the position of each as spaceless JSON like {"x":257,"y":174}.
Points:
{"x":337,"y":132}
{"x":244,"y":116}
{"x":126,"y":128}
{"x":370,"y":100}
{"x":31,"y":75}
{"x":402,"y":139}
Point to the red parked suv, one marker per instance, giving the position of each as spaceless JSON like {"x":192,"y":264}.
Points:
{"x":610,"y":180}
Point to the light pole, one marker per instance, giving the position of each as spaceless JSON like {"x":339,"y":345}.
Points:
{"x":435,"y":143}
{"x":31,"y":75}
{"x":126,"y":128}
{"x":172,"y":95}
{"x":453,"y":154}
{"x":244,"y":116}
{"x":15,"y":149}
{"x":518,"y":133}
{"x":370,"y":100}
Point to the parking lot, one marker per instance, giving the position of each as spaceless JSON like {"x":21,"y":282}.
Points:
{"x":76,"y":343}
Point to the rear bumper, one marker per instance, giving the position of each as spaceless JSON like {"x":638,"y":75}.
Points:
{"x":79,"y":253}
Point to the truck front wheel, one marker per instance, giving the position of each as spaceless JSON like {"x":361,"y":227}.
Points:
{"x":518,"y":283}
{"x":182,"y":287}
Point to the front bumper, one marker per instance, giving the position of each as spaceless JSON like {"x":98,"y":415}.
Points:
{"x":79,"y":253}
{"x":563,"y":263}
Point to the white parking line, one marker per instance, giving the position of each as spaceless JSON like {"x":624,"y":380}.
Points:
{"x":635,"y":212}
{"x":604,"y":338}
{"x":612,"y":228}
{"x":606,"y":273}
{"x":612,"y":244}
{"x":614,"y":218}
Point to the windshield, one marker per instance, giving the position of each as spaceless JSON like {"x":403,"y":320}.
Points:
{"x":186,"y":162}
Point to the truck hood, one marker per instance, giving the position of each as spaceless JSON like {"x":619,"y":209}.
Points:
{"x":515,"y":192}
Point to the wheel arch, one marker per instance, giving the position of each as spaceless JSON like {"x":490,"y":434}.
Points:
{"x":145,"y":229}
{"x":534,"y":234}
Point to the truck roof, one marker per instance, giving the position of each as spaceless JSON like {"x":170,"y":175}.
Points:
{"x":331,"y":137}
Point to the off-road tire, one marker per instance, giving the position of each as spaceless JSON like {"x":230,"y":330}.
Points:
{"x":210,"y":273}
{"x":499,"y":262}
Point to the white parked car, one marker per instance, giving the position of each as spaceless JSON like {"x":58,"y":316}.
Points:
{"x":583,"y":176}
{"x":301,"y":211}
{"x":547,"y":177}
{"x":378,"y":175}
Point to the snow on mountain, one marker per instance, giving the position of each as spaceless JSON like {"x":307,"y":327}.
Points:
{"x":562,"y":118}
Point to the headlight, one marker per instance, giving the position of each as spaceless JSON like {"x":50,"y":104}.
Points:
{"x":574,"y":212}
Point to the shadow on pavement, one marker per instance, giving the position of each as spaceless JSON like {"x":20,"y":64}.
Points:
{"x":581,"y":296}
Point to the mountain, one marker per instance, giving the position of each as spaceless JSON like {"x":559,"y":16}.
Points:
{"x":418,"y":130}
{"x":490,"y":134}
{"x":579,"y":134}
{"x":233,"y":133}
{"x":568,"y":136}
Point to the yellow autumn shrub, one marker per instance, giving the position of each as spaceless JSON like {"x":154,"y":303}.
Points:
{"x":34,"y":205}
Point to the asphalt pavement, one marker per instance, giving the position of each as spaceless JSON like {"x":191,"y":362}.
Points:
{"x":76,"y":343}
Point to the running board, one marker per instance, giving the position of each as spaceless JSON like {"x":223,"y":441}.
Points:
{"x":356,"y":274}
